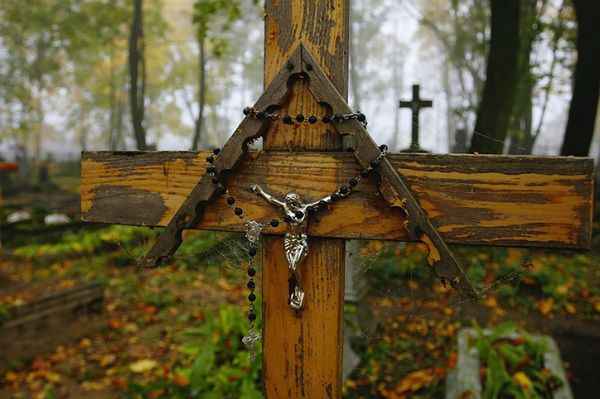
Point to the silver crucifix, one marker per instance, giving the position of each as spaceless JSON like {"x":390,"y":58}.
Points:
{"x":250,"y":341}
{"x":296,"y":238}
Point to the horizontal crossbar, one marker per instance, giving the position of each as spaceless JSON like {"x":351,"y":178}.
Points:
{"x":470,"y":199}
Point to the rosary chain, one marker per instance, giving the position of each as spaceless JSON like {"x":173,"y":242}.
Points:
{"x":341,"y":192}
{"x":300,"y":118}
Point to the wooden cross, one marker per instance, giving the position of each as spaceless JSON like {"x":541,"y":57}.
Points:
{"x":415,"y":105}
{"x":469,"y":199}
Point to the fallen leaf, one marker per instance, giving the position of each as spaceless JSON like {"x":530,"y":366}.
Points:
{"x":414,"y":381}
{"x":120,"y":383}
{"x":545,"y":306}
{"x":107,"y":359}
{"x":570,"y":308}
{"x":562,"y":289}
{"x":10,"y":376}
{"x":452,"y":360}
{"x":491,"y":302}
{"x":143,"y":365}
{"x":528,"y":280}
{"x":523,"y":380}
{"x":115,"y":324}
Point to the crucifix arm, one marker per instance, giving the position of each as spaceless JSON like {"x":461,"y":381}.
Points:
{"x":269,"y":198}
{"x":316,"y":204}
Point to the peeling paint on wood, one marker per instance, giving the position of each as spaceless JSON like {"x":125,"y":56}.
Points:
{"x":471,"y":199}
{"x":296,"y":362}
{"x":149,"y":207}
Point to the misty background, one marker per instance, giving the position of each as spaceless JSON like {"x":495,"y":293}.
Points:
{"x":81,"y":101}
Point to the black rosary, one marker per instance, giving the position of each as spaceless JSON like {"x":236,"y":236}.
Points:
{"x":295,"y":216}
{"x":312,"y":119}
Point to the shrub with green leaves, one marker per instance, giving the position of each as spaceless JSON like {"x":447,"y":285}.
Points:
{"x":215,"y":363}
{"x":513,"y":364}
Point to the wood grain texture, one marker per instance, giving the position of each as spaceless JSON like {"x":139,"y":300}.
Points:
{"x":470,"y":199}
{"x":303,"y":355}
{"x":322,"y":26}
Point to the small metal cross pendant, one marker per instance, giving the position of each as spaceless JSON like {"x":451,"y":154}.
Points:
{"x":250,"y":341}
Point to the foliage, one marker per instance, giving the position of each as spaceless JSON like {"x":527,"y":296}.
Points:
{"x":513,"y":364}
{"x":78,"y":244}
{"x":216,"y":365}
{"x":212,"y":18}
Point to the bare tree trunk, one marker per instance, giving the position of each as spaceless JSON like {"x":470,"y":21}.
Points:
{"x":398,"y":78}
{"x":199,"y":122}
{"x":584,"y":103}
{"x":137,"y":83}
{"x":497,"y":102}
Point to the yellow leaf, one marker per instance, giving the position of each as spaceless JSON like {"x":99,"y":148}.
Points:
{"x":524,"y":381}
{"x":415,"y":381}
{"x":51,"y":376}
{"x":562,"y":289}
{"x":491,"y":302}
{"x":545,"y":306}
{"x":141,"y":366}
{"x":107,"y":359}
{"x":570,"y":308}
{"x":10,"y":376}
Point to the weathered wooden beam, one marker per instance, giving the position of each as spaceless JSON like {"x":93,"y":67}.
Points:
{"x":294,"y":365}
{"x":470,"y":199}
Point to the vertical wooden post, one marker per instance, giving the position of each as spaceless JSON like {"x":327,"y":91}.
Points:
{"x":303,"y":355}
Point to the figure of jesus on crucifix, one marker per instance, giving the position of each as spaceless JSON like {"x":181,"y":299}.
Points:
{"x":296,"y":237}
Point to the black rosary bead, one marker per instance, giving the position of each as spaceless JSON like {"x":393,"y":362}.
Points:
{"x":222,"y":189}
{"x":211,"y":169}
{"x":252,"y":251}
{"x":251,"y":272}
{"x":251,"y":285}
{"x":247,"y":111}
{"x":210,"y":159}
{"x":216,"y":151}
{"x":364,"y":173}
{"x":334,"y":197}
{"x":287,"y":120}
{"x":274,"y":223}
{"x":238,"y":211}
{"x":215,"y":179}
{"x":418,"y":231}
{"x":299,"y":214}
{"x":300,"y":118}
{"x":361,"y":117}
{"x":322,"y":204}
{"x":251,"y":316}
{"x":252,"y":297}
{"x":344,"y":190}
{"x":374,"y":163}
{"x":287,"y":218}
{"x":260,"y":114}
{"x":353,"y":182}
{"x":230,"y":200}
{"x":383,"y":148}
{"x":326,"y":119}
{"x":312,"y":119}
